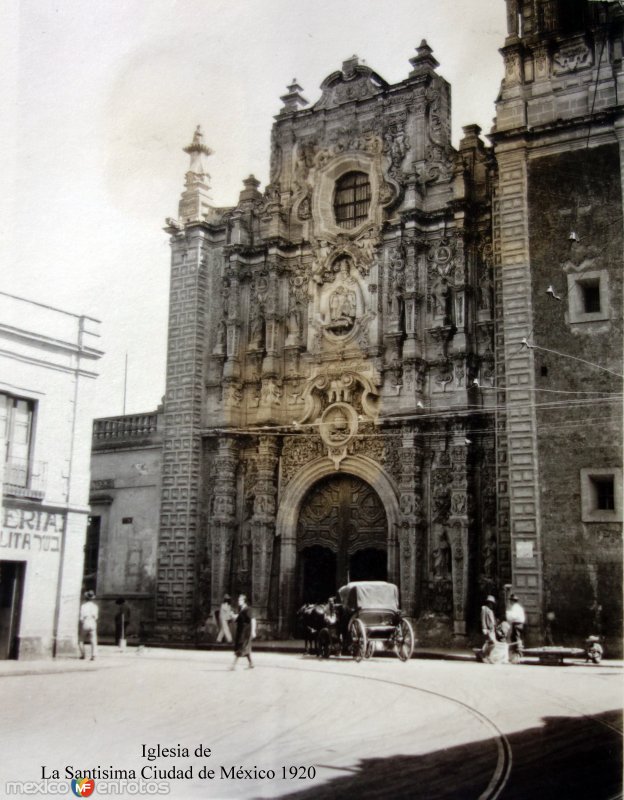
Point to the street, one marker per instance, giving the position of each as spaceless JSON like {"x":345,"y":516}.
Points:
{"x":299,"y":727}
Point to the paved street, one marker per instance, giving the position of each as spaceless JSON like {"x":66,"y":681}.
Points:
{"x":424,"y":729}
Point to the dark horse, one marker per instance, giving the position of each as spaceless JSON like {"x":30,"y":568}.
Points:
{"x":311,"y":618}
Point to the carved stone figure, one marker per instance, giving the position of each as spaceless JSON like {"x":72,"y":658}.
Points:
{"x":221,"y":342}
{"x":442,"y":558}
{"x":489,"y":555}
{"x":256,"y":330}
{"x":271,"y":393}
{"x":293,"y":326}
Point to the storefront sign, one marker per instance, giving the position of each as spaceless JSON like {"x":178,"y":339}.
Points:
{"x":37,"y":531}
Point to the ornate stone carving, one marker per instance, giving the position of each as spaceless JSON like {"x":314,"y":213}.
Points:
{"x":337,"y":384}
{"x":441,"y":558}
{"x":338,"y":425}
{"x":271,"y":393}
{"x":438,"y":165}
{"x":354,"y":82}
{"x":231,"y":395}
{"x":582,"y":258}
{"x":438,"y":119}
{"x":297,"y":452}
{"x":572,"y":56}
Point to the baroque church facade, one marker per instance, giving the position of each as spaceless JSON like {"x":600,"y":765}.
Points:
{"x":360,"y":355}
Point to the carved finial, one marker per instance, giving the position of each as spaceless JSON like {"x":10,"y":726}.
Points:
{"x":424,"y":61}
{"x":293,"y":99}
{"x":250,"y":192}
{"x":348,"y":66}
{"x":195,"y":203}
{"x":198,"y":152}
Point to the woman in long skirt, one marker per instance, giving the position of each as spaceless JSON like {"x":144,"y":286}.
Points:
{"x":245,"y":632}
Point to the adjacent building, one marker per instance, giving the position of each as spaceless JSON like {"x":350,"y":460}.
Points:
{"x":47,"y":371}
{"x":557,"y":220}
{"x":123,"y":529}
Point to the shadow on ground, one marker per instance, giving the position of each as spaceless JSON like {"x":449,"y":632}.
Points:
{"x":571,"y":758}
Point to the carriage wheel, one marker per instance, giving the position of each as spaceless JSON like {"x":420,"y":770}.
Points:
{"x":370,"y":649}
{"x":404,"y":640}
{"x":357,"y":632}
{"x":324,"y":643}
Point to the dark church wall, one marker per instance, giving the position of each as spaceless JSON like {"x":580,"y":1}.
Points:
{"x":578,"y":193}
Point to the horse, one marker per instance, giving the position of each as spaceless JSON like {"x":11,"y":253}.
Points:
{"x":311,"y":618}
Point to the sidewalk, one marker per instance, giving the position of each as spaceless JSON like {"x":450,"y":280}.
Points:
{"x":110,"y":657}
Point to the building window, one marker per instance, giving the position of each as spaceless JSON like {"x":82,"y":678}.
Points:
{"x":601,"y":495}
{"x":352,"y":198}
{"x":590,"y":291}
{"x":588,"y":297}
{"x":604,"y":493}
{"x":16,"y":422}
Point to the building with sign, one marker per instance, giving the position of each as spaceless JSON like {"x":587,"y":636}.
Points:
{"x":402,"y":360}
{"x":47,"y":372}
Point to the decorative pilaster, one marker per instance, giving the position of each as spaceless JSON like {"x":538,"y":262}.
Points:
{"x":223,"y":519}
{"x":410,"y":503}
{"x":459,"y":526}
{"x":263,"y":524}
{"x":231,"y":301}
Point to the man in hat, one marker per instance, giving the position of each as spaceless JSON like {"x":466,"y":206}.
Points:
{"x":488,"y":624}
{"x":225,"y":615}
{"x":89,"y":613}
{"x":516,"y":618}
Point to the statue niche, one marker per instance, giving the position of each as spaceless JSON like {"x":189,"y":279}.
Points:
{"x":340,"y":302}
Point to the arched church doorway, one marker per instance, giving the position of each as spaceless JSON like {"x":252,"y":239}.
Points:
{"x":369,"y":564}
{"x":342,"y":535}
{"x":318,"y":567}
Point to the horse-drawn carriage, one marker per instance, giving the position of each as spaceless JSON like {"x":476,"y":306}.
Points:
{"x":366,"y":619}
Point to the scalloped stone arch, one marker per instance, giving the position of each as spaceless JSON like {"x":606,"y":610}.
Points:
{"x":290,"y":508}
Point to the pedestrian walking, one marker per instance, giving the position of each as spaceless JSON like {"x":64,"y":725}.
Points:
{"x":245,"y":632}
{"x":225,"y":615}
{"x":488,"y":625}
{"x":516,"y":618}
{"x":89,"y":613}
{"x":122,"y":620}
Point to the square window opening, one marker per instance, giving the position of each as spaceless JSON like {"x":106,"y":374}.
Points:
{"x":604,"y":493}
{"x":590,"y":291}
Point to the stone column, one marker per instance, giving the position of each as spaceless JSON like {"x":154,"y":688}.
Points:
{"x":459,"y":526}
{"x":263,"y":525}
{"x":223,"y":522}
{"x":410,"y":503}
{"x":231,"y":368}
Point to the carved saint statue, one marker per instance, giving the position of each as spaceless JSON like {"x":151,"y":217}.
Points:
{"x":293,"y":326}
{"x":342,"y":300}
{"x":220,"y":345}
{"x":256,"y":330}
{"x":442,"y":558}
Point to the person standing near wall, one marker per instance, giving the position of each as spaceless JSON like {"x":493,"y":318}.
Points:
{"x":516,"y":618}
{"x":89,"y":613}
{"x":488,"y":625}
{"x":225,"y":616}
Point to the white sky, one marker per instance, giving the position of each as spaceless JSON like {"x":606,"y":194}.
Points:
{"x":103,"y":96}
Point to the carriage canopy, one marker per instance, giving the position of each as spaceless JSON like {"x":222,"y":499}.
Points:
{"x":360,"y":595}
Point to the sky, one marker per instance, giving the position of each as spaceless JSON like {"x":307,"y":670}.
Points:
{"x":102,"y":97}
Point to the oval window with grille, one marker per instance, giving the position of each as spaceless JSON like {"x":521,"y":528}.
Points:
{"x":352,"y":198}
